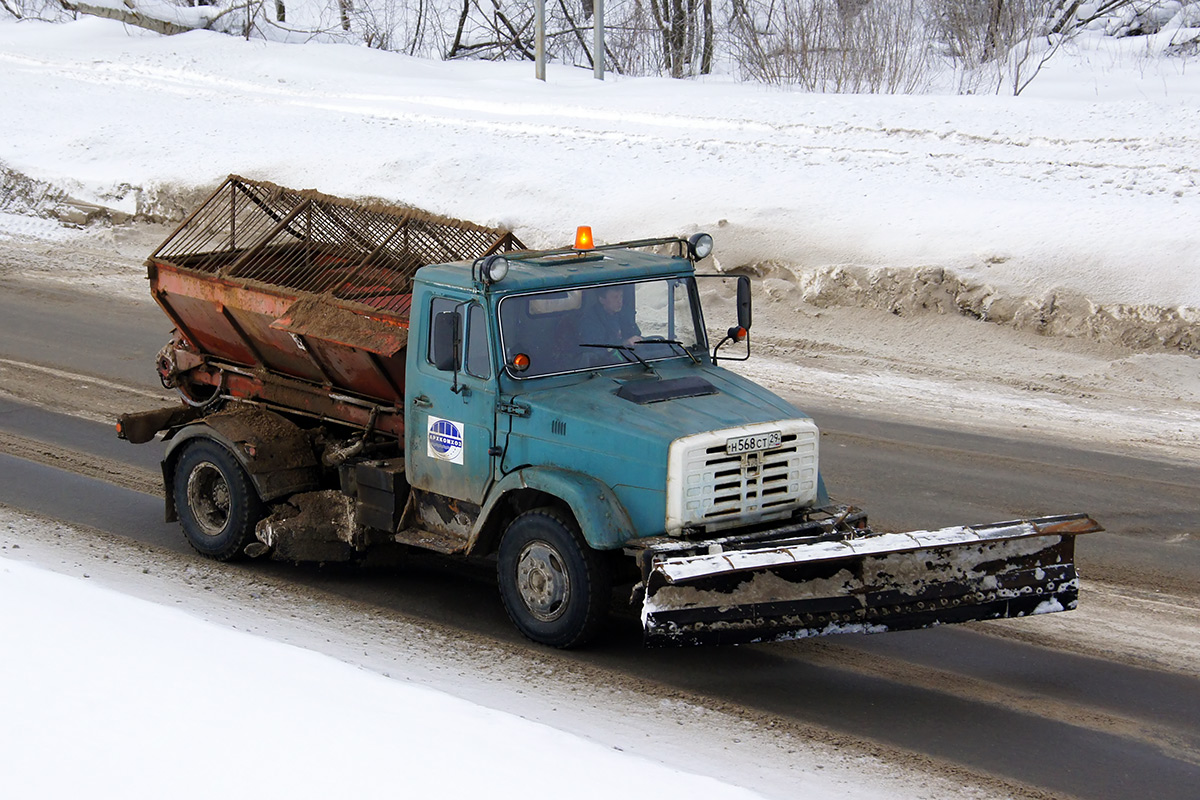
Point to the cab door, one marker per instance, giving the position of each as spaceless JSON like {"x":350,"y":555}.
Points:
{"x":451,"y":406}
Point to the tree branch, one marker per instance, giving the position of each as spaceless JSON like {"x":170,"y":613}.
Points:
{"x":129,"y":17}
{"x":578,"y":34}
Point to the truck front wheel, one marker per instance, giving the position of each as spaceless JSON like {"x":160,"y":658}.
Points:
{"x":555,"y":588}
{"x":218,"y":507}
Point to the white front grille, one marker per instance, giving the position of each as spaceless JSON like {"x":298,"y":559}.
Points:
{"x":707,"y":487}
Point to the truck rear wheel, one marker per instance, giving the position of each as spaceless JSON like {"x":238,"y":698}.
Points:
{"x":217,"y":504}
{"x":555,"y":588}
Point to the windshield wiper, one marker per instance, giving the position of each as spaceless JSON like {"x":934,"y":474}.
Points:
{"x":623,"y":349}
{"x":675,"y":342}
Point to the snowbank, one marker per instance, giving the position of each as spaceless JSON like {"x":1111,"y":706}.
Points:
{"x":1085,"y":185}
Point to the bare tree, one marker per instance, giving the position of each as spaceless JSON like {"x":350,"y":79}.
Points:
{"x":384,"y":26}
{"x":495,"y":32}
{"x":686,"y":33}
{"x":43,"y":10}
{"x":832,"y":45}
{"x":456,"y":46}
{"x":1005,"y":43}
{"x":818,"y":45}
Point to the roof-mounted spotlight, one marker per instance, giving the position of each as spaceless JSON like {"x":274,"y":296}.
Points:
{"x":494,"y":268}
{"x":700,"y":245}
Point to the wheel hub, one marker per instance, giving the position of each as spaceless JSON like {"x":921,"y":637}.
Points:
{"x":542,"y":581}
{"x":208,"y":498}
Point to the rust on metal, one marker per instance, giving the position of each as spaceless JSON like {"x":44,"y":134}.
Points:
{"x":1073,"y":525}
{"x":437,"y":522}
{"x":140,"y":427}
{"x":300,"y":397}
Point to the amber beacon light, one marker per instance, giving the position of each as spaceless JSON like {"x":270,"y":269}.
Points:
{"x":583,"y":238}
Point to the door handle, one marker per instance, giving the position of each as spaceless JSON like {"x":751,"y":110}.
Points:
{"x":421,"y":401}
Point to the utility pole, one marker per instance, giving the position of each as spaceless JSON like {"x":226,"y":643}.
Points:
{"x":598,"y":39}
{"x":539,"y":39}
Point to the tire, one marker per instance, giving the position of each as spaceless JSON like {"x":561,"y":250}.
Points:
{"x":555,"y":588}
{"x":217,"y":504}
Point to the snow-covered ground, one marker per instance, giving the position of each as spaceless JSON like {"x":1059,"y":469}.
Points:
{"x":136,"y":695}
{"x":881,"y":230}
{"x":1088,"y":181}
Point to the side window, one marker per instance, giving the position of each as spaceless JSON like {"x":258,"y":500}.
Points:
{"x":479,"y":362}
{"x":683,"y":320}
{"x":476,"y":357}
{"x":439,"y":305}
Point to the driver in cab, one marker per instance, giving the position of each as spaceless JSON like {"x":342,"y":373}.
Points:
{"x":607,"y":322}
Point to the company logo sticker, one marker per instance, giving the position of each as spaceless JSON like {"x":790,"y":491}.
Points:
{"x":445,"y":440}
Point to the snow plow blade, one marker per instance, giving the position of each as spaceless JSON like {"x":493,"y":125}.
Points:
{"x":870,"y":584}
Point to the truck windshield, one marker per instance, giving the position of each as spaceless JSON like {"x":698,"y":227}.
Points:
{"x":549,"y":333}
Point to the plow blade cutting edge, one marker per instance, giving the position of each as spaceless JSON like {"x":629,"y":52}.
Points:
{"x":870,"y":584}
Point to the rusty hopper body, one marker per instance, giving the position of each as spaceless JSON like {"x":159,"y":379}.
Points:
{"x":299,"y":300}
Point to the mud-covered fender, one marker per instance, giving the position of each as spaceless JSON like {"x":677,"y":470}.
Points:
{"x":276,"y":454}
{"x":602,"y":518}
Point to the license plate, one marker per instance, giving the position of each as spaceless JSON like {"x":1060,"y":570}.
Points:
{"x":752,"y":443}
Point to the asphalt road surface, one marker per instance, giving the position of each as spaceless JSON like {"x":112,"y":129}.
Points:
{"x":1068,"y":724}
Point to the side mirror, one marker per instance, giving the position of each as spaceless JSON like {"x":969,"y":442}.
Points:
{"x":743,"y":302}
{"x":447,"y":340}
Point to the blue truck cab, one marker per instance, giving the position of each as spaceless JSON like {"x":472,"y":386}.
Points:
{"x":578,"y":389}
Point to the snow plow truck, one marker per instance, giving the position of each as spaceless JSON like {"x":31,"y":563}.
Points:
{"x":360,"y":378}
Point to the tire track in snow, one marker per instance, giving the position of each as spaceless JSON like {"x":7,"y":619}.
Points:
{"x":117,"y":473}
{"x":1176,"y":743}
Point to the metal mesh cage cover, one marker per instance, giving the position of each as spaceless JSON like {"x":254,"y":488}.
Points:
{"x":308,"y":242}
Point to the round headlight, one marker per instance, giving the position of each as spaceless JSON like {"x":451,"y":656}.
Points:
{"x":701,"y":245}
{"x":495,"y":267}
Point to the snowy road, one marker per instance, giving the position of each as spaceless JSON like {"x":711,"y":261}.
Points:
{"x":964,"y":703}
